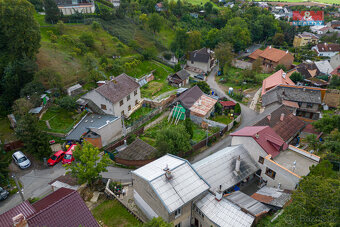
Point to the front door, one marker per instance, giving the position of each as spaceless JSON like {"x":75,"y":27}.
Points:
{"x":196,"y":223}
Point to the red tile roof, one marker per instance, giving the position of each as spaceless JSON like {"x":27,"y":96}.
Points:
{"x":64,"y":206}
{"x":256,"y":54}
{"x":280,"y":77}
{"x":266,"y":137}
{"x":310,"y":129}
{"x":273,"y":54}
{"x":227,"y":103}
{"x":283,"y":122}
{"x":24,"y":208}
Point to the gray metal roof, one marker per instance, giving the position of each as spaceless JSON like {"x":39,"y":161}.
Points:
{"x":89,"y":121}
{"x":248,"y":203}
{"x":223,"y":213}
{"x":292,"y":93}
{"x":35,"y":110}
{"x":272,"y":196}
{"x":183,"y":187}
{"x":219,"y":168}
{"x":324,"y":67}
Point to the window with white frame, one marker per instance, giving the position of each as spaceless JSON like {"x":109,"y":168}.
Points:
{"x":178,"y":212}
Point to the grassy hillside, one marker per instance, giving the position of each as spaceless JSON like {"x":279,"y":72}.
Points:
{"x":60,"y":51}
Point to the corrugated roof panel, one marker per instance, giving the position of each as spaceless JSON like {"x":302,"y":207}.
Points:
{"x":218,"y":168}
{"x":224,"y":212}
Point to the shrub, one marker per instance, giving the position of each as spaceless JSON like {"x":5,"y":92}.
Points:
{"x":237,"y":109}
{"x":67,"y":103}
{"x":87,"y":39}
{"x":95,"y":25}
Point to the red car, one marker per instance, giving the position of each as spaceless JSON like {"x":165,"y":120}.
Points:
{"x":57,"y":157}
{"x":68,"y":157}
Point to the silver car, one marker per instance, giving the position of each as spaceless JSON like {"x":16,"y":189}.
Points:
{"x":21,"y":160}
{"x":3,"y":194}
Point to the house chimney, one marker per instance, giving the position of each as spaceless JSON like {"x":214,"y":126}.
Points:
{"x":19,"y":221}
{"x":294,"y":166}
{"x":199,"y":101}
{"x":125,"y":142}
{"x":167,"y":172}
{"x":282,"y":117}
{"x":269,"y":117}
{"x":238,"y":163}
{"x":287,"y":52}
{"x":257,"y":136}
{"x":219,"y":194}
{"x":283,"y":75}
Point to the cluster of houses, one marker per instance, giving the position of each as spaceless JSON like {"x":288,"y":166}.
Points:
{"x":235,"y":186}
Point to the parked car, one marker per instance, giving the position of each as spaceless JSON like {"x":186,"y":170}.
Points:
{"x":57,"y":157}
{"x":68,"y":157}
{"x":3,"y":194}
{"x":21,"y":160}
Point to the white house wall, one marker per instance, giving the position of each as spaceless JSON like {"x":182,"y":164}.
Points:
{"x":118,"y":109}
{"x":254,"y":149}
{"x":286,"y":179}
{"x":110,"y":131}
{"x":98,"y":99}
{"x":72,"y":9}
{"x":200,"y":65}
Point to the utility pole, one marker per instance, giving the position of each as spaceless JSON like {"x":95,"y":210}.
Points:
{"x":18,"y":186}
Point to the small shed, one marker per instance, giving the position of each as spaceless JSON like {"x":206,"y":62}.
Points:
{"x":75,"y":90}
{"x":178,"y":112}
{"x":138,"y":153}
{"x":227,"y":105}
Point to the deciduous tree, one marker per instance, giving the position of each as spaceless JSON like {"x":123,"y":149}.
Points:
{"x":296,"y":77}
{"x":88,"y":164}
{"x":224,"y":55}
{"x":173,"y":140}
{"x":35,"y":141}
{"x":155,"y":22}
{"x":204,"y":86}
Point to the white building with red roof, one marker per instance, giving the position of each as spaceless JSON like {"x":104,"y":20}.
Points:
{"x":282,"y":165}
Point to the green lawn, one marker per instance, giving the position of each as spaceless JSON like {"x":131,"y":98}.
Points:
{"x":142,"y":111}
{"x":40,"y":19}
{"x":6,"y":133}
{"x":61,"y":121}
{"x":112,"y":213}
{"x":222,"y":119}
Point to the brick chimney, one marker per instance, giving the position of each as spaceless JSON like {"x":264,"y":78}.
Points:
{"x":19,"y":221}
{"x":238,"y":163}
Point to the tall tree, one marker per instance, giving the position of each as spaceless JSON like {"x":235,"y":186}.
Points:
{"x":204,"y":86}
{"x":173,"y":140}
{"x":52,"y":12}
{"x":35,"y":141}
{"x":224,"y":55}
{"x":194,"y":40}
{"x":19,"y":32}
{"x":88,"y":164}
{"x":155,"y":22}
{"x":296,"y":77}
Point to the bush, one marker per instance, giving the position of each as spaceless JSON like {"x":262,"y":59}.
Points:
{"x":296,"y":77}
{"x":87,"y":39}
{"x":67,"y":103}
{"x":237,"y":109}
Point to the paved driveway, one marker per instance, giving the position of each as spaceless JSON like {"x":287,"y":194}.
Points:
{"x":247,"y":115}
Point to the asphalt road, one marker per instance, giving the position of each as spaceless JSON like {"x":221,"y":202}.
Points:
{"x":35,"y":182}
{"x":246,"y":113}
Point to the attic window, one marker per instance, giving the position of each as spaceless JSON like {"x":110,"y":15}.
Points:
{"x":121,"y":102}
{"x":103,"y":107}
